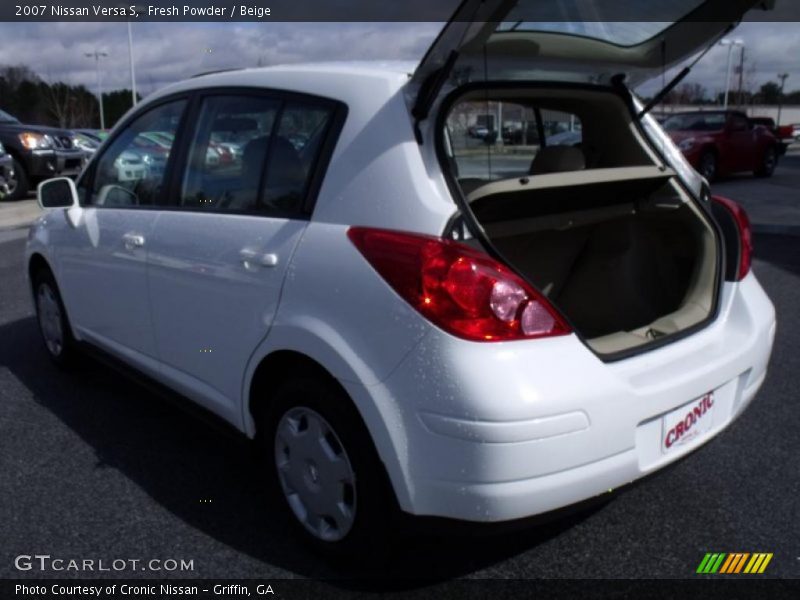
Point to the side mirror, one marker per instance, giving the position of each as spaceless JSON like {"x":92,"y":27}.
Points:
{"x":57,"y":193}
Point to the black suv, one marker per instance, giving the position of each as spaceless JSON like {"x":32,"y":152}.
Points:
{"x":6,"y":171}
{"x":37,"y":153}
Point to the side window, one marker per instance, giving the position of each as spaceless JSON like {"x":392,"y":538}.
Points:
{"x":131,"y":172}
{"x":562,"y":129}
{"x":738,"y":123}
{"x":241,"y":160}
{"x":298,"y":141}
{"x":499,"y":140}
{"x":226,"y":160}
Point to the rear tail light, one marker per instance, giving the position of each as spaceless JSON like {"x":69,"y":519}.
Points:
{"x":458,"y":288}
{"x":745,"y":234}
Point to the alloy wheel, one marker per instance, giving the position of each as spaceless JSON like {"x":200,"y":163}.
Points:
{"x":708,"y":166}
{"x":12,"y":182}
{"x":769,"y":162}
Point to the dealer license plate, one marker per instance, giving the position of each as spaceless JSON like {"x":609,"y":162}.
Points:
{"x":687,"y":423}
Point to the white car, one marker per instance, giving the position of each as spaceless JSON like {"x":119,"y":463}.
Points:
{"x":130,"y":167}
{"x":398,"y":337}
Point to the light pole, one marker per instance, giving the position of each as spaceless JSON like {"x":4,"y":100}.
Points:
{"x":137,"y":9}
{"x":133,"y":71}
{"x":782,"y":77}
{"x":97,"y":56}
{"x":730,"y":44}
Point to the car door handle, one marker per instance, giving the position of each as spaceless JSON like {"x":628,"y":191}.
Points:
{"x":133,"y":240}
{"x":253,"y":258}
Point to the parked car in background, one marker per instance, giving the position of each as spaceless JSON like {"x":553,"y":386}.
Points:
{"x":130,"y":167}
{"x":478,"y":131}
{"x":565,"y":138}
{"x":37,"y":152}
{"x":86,"y":142}
{"x":784,"y":134}
{"x":723,"y":142}
{"x":6,"y":171}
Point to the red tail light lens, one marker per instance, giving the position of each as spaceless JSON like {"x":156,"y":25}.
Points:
{"x":458,"y":288}
{"x":745,"y":234}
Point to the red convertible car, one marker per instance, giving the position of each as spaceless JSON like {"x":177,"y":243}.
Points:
{"x":723,"y":142}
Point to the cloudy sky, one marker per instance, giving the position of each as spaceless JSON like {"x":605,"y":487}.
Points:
{"x":166,"y":52}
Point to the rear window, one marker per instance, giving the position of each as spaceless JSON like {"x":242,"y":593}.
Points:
{"x":601,"y":19}
{"x":499,"y":140}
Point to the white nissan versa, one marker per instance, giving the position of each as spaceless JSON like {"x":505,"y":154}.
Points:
{"x":408,"y":317}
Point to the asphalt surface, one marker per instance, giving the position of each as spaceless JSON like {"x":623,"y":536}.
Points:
{"x":95,"y":466}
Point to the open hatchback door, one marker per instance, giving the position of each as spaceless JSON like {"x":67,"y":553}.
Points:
{"x":572,"y":40}
{"x":556,"y":173}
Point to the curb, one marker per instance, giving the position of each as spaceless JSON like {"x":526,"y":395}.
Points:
{"x":8,"y":228}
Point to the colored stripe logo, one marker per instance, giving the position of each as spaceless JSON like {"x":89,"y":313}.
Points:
{"x":734,"y":563}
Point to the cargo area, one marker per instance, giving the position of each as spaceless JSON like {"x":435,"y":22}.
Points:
{"x":588,"y":213}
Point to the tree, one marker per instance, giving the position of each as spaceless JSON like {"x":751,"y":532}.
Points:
{"x":769,"y":93}
{"x":690,"y":93}
{"x":116,"y":104}
{"x":32,"y":100}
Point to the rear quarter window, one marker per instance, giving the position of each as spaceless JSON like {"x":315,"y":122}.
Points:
{"x":499,"y":140}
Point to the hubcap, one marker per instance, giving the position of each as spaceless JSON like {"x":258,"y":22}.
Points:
{"x":315,"y":474}
{"x":11,"y":182}
{"x":50,"y":319}
{"x":709,"y":167}
{"x":769,"y":161}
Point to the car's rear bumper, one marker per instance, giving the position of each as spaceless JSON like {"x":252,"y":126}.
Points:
{"x":494,"y":432}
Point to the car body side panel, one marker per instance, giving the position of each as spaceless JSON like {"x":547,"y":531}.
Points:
{"x":103,"y":279}
{"x":211,"y":306}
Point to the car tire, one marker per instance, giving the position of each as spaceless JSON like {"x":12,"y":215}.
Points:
{"x":332,"y":485}
{"x":19,"y":184}
{"x":708,"y":165}
{"x":52,"y":319}
{"x":768,"y":163}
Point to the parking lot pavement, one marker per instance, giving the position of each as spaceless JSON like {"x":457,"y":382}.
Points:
{"x":773,"y":204}
{"x":20,"y":213}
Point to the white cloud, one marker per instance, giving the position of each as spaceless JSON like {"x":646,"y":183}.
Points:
{"x":770,"y":48}
{"x":166,"y":52}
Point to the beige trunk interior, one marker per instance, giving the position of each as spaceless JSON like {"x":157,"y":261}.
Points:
{"x":618,"y":246}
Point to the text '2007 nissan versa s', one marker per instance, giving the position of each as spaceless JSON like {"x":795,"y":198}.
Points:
{"x":400,"y":323}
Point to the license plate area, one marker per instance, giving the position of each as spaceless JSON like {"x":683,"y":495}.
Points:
{"x":687,"y":423}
